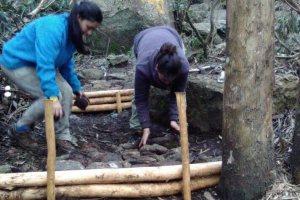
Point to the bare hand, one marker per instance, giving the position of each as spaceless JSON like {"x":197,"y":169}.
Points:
{"x":57,"y":110}
{"x":146,"y":133}
{"x":175,"y":126}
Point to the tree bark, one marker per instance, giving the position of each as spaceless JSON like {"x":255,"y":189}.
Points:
{"x":248,"y":153}
{"x":295,"y":156}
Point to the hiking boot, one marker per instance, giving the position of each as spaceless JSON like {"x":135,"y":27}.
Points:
{"x":23,"y":138}
{"x":65,"y":145}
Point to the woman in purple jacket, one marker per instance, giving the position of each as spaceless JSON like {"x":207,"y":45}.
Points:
{"x":160,"y":63}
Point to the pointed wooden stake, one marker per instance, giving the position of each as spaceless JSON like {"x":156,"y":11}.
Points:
{"x":119,"y":103}
{"x":49,"y":123}
{"x":181,"y":105}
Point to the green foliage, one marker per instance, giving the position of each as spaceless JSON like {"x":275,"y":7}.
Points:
{"x":180,"y":8}
{"x":14,"y":15}
{"x":195,"y":42}
{"x":288,"y":31}
{"x":288,"y":23}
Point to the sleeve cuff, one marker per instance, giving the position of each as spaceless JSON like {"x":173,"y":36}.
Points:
{"x":146,"y":124}
{"x":173,"y":118}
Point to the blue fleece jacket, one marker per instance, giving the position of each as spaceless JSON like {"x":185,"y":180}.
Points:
{"x":146,"y":47}
{"x":44,"y":44}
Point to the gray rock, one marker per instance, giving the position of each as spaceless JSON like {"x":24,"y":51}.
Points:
{"x":203,"y":28}
{"x":117,"y":148}
{"x":167,"y":163}
{"x":117,"y":59}
{"x":155,"y":148}
{"x":198,"y":12}
{"x":118,"y":76}
{"x":131,"y":153}
{"x":205,"y":101}
{"x":91,"y":74}
{"x":106,"y":157}
{"x":112,"y":164}
{"x":128,"y":146}
{"x":124,"y":19}
{"x":62,"y":165}
{"x":169,"y":141}
{"x":141,"y":160}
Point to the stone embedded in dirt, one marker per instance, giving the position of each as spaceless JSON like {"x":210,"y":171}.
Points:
{"x":88,"y":147}
{"x":155,"y":148}
{"x":166,"y":163}
{"x":117,"y":148}
{"x":117,"y":59}
{"x":174,"y":156}
{"x":63,"y":165}
{"x":176,"y":150}
{"x":101,"y":165}
{"x":106,"y":157}
{"x":169,"y":141}
{"x":141,"y":160}
{"x":128,"y":146}
{"x":5,"y":169}
{"x":131,"y":153}
{"x":208,"y":196}
{"x":157,"y":157}
{"x":63,"y":157}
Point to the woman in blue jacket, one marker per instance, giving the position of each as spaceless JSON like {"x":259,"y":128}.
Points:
{"x":39,"y":60}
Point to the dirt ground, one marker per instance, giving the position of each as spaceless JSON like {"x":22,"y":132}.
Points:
{"x":99,"y":131}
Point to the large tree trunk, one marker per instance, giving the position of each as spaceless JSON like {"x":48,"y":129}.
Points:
{"x":295,"y":156}
{"x":248,"y":154}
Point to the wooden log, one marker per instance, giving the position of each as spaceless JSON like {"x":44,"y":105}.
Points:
{"x":102,"y":107}
{"x":138,"y":190}
{"x":50,"y":135}
{"x":105,"y":100}
{"x":97,"y":176}
{"x":181,"y":105}
{"x":109,"y":93}
{"x":119,"y":103}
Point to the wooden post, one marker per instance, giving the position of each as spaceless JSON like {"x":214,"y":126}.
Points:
{"x":181,"y":105}
{"x":49,"y":123}
{"x":119,"y":103}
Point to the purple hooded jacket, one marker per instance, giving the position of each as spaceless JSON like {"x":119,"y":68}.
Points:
{"x":146,"y":46}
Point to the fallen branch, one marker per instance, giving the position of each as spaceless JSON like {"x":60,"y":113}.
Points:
{"x":109,"y":93}
{"x":38,"y":8}
{"x":282,"y":44}
{"x":102,"y":107}
{"x":103,"y":100}
{"x":289,"y":57}
{"x":293,"y":5}
{"x":138,"y":190}
{"x":101,"y":176}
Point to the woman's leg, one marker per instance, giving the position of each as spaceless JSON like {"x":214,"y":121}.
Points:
{"x":26,"y":79}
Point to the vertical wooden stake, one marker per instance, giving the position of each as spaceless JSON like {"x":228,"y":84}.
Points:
{"x":181,"y":105}
{"x":49,"y":122}
{"x":119,"y":103}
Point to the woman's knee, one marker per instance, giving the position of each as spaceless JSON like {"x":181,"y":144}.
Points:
{"x":66,"y":93}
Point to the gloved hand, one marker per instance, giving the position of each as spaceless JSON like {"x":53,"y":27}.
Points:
{"x":82,"y":100}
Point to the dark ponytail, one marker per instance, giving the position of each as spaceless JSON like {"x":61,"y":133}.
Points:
{"x":168,"y":61}
{"x":88,"y":11}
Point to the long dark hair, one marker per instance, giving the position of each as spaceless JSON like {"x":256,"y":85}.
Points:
{"x":168,"y":61}
{"x":86,"y":10}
